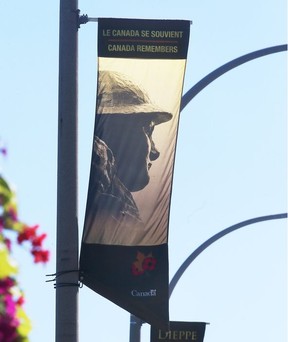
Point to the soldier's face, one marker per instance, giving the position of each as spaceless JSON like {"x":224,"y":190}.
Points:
{"x":133,"y":147}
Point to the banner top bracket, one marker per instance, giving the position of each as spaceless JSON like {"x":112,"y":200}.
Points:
{"x":84,"y":19}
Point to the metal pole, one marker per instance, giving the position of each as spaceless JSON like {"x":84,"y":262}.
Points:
{"x":67,"y":225}
{"x":135,"y":328}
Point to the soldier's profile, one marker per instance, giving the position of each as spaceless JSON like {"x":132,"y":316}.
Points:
{"x":123,"y":153}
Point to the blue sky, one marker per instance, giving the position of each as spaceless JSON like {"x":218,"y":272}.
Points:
{"x":231,"y":162}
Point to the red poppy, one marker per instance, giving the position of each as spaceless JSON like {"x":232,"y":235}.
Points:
{"x":136,"y":271}
{"x":149,"y":264}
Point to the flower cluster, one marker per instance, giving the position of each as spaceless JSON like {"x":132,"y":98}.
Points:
{"x":14,"y":323}
{"x":143,"y":263}
{"x":9,"y":220}
{"x":29,"y":234}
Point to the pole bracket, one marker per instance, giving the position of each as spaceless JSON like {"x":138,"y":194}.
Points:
{"x":82,"y":19}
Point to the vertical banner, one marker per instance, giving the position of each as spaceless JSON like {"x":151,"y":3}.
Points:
{"x":179,"y":332}
{"x":124,"y":252}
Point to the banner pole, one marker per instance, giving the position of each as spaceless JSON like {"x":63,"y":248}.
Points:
{"x":67,"y":225}
{"x":135,"y":328}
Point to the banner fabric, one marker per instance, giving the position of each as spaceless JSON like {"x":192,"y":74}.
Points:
{"x":124,"y":250}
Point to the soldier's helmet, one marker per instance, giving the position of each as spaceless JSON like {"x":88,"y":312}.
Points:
{"x":118,"y":95}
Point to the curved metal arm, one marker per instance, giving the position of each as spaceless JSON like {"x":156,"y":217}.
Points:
{"x":214,"y":238}
{"x":204,"y":82}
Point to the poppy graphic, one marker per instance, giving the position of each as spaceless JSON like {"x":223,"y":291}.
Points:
{"x":149,"y":264}
{"x":136,"y":270}
{"x":143,"y":263}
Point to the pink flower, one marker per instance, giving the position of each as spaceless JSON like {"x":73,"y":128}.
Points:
{"x":8,"y":330}
{"x":10,"y":305}
{"x":40,"y":255}
{"x":6,"y":284}
{"x":38,"y":240}
{"x":29,"y":233}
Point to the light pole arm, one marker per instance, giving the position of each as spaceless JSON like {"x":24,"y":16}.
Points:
{"x":214,"y":238}
{"x":205,"y":81}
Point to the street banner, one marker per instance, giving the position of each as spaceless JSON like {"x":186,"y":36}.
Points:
{"x":124,"y":251}
{"x":180,"y":332}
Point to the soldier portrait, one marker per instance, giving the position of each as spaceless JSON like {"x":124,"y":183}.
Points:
{"x":123,"y":154}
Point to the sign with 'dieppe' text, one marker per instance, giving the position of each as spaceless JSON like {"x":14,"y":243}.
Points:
{"x":180,"y":332}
